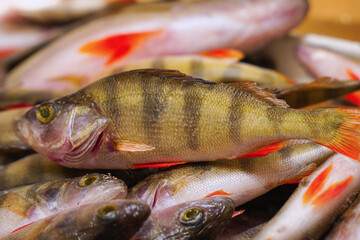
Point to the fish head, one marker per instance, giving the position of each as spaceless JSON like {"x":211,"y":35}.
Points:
{"x":93,"y":188}
{"x":120,"y":218}
{"x":202,"y":219}
{"x":62,"y":131}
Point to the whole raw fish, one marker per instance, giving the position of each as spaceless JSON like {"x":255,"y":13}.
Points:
{"x":241,"y":180}
{"x":347,"y":226}
{"x":171,"y":29}
{"x":317,"y":201}
{"x":9,"y":141}
{"x":118,"y":220}
{"x":202,"y":219}
{"x":23,"y":205}
{"x":212,"y":69}
{"x":152,"y":116}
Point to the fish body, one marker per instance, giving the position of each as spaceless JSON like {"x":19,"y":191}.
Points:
{"x":210,"y":68}
{"x":118,"y":220}
{"x":23,"y":205}
{"x":160,"y":116}
{"x":9,"y":141}
{"x":241,"y":180}
{"x":347,"y":226}
{"x":202,"y":219}
{"x":172,"y":28}
{"x":317,"y":201}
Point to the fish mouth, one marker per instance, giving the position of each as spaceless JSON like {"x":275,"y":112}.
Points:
{"x":90,"y":146}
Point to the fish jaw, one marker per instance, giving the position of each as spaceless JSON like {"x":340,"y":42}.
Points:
{"x":73,"y":134}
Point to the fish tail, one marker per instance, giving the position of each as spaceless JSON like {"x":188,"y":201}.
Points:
{"x":343,"y":133}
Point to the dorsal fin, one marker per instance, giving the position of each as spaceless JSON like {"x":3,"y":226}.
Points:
{"x":261,"y":93}
{"x":172,"y":74}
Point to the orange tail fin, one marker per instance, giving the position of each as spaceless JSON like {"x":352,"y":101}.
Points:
{"x":118,"y":46}
{"x":346,"y":139}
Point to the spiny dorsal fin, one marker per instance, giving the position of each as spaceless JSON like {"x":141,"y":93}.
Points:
{"x":172,"y":74}
{"x":263,"y":94}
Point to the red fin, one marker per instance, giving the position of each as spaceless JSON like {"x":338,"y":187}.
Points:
{"x":301,"y":175}
{"x":354,"y":98}
{"x":346,"y":139}
{"x":157,"y":165}
{"x":237,"y":213}
{"x":263,"y":151}
{"x":7,"y":52}
{"x":317,"y":184}
{"x":218,"y":193}
{"x":224,"y":53}
{"x":118,"y":46}
{"x":22,"y":227}
{"x":76,"y":80}
{"x":352,"y":75}
{"x":21,"y":105}
{"x":332,"y":191}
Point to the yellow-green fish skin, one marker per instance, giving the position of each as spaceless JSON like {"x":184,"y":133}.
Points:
{"x":157,"y":116}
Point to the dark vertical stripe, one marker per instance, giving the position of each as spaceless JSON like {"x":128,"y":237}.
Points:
{"x":192,"y":106}
{"x":158,"y":63}
{"x":197,"y":69}
{"x":235,"y":118}
{"x":112,"y":105}
{"x":154,"y":103}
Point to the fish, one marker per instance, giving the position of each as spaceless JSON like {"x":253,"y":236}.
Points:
{"x":241,"y":180}
{"x":346,"y":226}
{"x":202,"y":219}
{"x":212,"y":69}
{"x":322,"y":62}
{"x":26,"y":204}
{"x":172,"y":28}
{"x":118,"y":220}
{"x":57,"y":11}
{"x":36,"y":168}
{"x":323,"y":89}
{"x":248,"y":234}
{"x":317,"y":201}
{"x":9,"y":141}
{"x":10,"y":99}
{"x":157,"y":118}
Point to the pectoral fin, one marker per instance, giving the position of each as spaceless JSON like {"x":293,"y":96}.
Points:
{"x":131,"y":146}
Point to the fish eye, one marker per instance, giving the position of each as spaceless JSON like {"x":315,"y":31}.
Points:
{"x":106,"y":212}
{"x":45,"y":113}
{"x":88,"y":180}
{"x":192,"y":216}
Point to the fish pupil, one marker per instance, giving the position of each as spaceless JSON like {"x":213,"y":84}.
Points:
{"x":45,"y":113}
{"x":192,"y":213}
{"x":90,"y":180}
{"x":107,"y":212}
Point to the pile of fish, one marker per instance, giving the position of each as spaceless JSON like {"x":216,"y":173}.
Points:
{"x":187,"y":119}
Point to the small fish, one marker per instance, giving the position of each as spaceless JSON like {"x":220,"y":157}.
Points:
{"x":248,"y":234}
{"x":347,"y":226}
{"x":210,"y":68}
{"x":23,"y":205}
{"x":241,"y":180}
{"x":322,"y":62}
{"x":172,"y":28}
{"x":202,"y":219}
{"x":118,"y":220}
{"x":323,"y":89}
{"x":150,"y":117}
{"x":9,"y":141}
{"x":316,"y":202}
